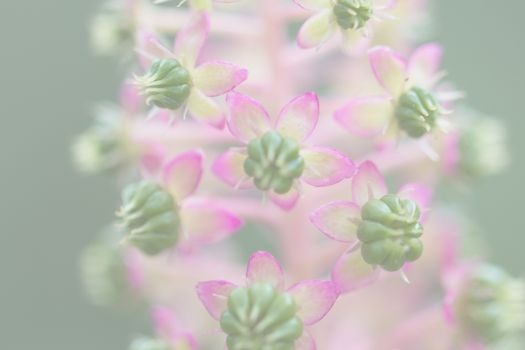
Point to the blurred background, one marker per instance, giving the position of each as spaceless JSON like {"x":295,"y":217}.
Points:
{"x":49,"y":84}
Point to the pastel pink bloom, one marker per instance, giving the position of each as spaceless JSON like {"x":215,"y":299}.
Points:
{"x":209,"y":79}
{"x":170,"y":330}
{"x":249,"y":120}
{"x":339,"y":221}
{"x":373,"y":116}
{"x":323,"y":25}
{"x":203,"y":221}
{"x":313,"y":298}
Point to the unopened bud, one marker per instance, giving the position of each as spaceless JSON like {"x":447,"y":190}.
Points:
{"x":491,"y":305}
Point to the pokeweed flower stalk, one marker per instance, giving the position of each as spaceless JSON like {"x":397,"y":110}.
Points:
{"x":192,"y":205}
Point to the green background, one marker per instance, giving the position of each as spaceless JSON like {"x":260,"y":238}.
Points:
{"x":48,"y":85}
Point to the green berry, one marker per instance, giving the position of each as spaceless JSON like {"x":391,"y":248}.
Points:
{"x":390,"y":231}
{"x":417,"y":112}
{"x":166,"y":85}
{"x":353,"y":14}
{"x":151,"y":217}
{"x":259,"y":317}
{"x":274,"y":162}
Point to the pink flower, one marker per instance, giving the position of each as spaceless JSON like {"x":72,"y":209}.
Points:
{"x":199,"y":5}
{"x":385,"y":228}
{"x":413,"y":101}
{"x":287,"y":310}
{"x":275,"y":159}
{"x":351,"y":17}
{"x":175,"y":79}
{"x":185,"y":220}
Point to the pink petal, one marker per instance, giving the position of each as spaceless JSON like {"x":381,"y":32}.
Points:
{"x":299,"y":117}
{"x":264,"y":268}
{"x":152,"y":159}
{"x":305,"y":342}
{"x":389,"y":68}
{"x":217,"y":78}
{"x":229,"y":168}
{"x":205,"y":222}
{"x":248,"y":118}
{"x":326,"y":166}
{"x":419,"y":193}
{"x":285,"y":201}
{"x":130,"y":98}
{"x":183,"y":174}
{"x":190,"y":39}
{"x":150,"y":48}
{"x":351,"y":272}
{"x":368,"y":183}
{"x":338,"y":220}
{"x":316,"y":30}
{"x":313,"y":299}
{"x":214,"y":296}
{"x":425,"y":64}
{"x":205,"y":109}
{"x":313,"y":4}
{"x":169,"y":328}
{"x":366,"y":116}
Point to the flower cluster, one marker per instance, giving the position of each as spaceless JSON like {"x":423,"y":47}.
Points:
{"x":362,"y":112}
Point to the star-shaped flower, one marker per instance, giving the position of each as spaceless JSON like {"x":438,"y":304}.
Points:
{"x":175,"y":79}
{"x":159,"y":214}
{"x":263,"y":314}
{"x":351,"y":17}
{"x":413,"y":103}
{"x":385,"y":228}
{"x":276,"y":159}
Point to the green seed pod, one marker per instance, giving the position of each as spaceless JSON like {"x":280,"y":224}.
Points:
{"x":353,"y":14}
{"x":104,"y":147}
{"x":150,"y":216}
{"x":491,"y":306}
{"x":390,"y":231}
{"x":166,"y":85}
{"x":260,"y":317}
{"x":417,"y":112}
{"x":483,"y":148}
{"x":103,"y":270}
{"x":274,"y":162}
{"x":149,"y":344}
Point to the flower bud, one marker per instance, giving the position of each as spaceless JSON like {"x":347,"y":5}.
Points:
{"x":103,"y":270}
{"x":482,"y":148}
{"x":274,"y":162}
{"x":103,"y":147}
{"x":353,"y":14}
{"x":151,"y":217}
{"x":390,"y":231}
{"x":166,"y":85}
{"x":111,"y":31}
{"x":491,"y":305}
{"x":417,"y":112}
{"x":261,"y":317}
{"x":149,"y":344}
